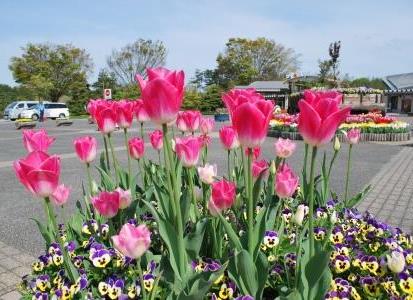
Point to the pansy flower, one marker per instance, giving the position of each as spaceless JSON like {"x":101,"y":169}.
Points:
{"x":319,"y":233}
{"x":80,"y":285}
{"x":90,"y":227}
{"x":406,"y":283}
{"x":370,"y":286}
{"x":40,"y":296}
{"x":112,"y":288}
{"x":38,"y":266}
{"x":57,"y":258}
{"x":134,"y":290}
{"x":290,"y":260}
{"x":99,"y":256}
{"x":226,"y":291}
{"x":370,"y":263}
{"x":287,"y":214}
{"x":148,"y":281}
{"x":104,"y":230}
{"x":321,"y":213}
{"x":43,"y":283}
{"x":271,"y":239}
{"x":337,"y":236}
{"x":341,"y":263}
{"x":389,"y":285}
{"x":78,"y":261}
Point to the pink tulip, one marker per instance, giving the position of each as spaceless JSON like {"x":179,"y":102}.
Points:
{"x":85,"y":148}
{"x":258,"y":167}
{"x":37,"y":140}
{"x":236,"y":97}
{"x":124,"y":112}
{"x":107,"y":203}
{"x":284,"y":148}
{"x":136,"y":147}
{"x":250,"y":120}
{"x":60,"y":195}
{"x":222,"y":196}
{"x":207,"y":125}
{"x":188,"y":149}
{"x":39,"y":173}
{"x":132,"y":241}
{"x":105,"y":116}
{"x":205,"y":140}
{"x":140,"y":112}
{"x":180,"y":123}
{"x":207,"y":173}
{"x":156,"y":139}
{"x":125,"y":198}
{"x":353,"y":136}
{"x":320,"y":116}
{"x":188,"y":120}
{"x":286,"y":182}
{"x":228,"y":137}
{"x":91,"y":108}
{"x":162,"y":94}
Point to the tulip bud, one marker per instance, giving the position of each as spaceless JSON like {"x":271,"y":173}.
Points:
{"x":299,"y":215}
{"x":333,"y":217}
{"x":95,"y":188}
{"x":273,"y":168}
{"x":396,"y":262}
{"x":337,"y":145}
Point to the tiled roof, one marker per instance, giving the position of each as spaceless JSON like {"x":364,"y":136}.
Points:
{"x":263,"y":86}
{"x":399,"y":81}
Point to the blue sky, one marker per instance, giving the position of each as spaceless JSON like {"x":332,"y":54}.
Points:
{"x":376,"y":36}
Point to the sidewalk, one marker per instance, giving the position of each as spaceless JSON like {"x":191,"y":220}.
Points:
{"x":13,"y":265}
{"x":392,"y":191}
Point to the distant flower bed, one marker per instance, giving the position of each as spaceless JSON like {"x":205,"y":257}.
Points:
{"x":367,"y":123}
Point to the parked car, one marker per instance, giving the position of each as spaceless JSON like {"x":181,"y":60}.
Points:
{"x":51,"y":111}
{"x":12,"y":111}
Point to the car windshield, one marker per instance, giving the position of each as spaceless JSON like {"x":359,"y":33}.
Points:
{"x":11,"y":105}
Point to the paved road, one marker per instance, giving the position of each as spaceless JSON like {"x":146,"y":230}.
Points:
{"x":17,"y":206}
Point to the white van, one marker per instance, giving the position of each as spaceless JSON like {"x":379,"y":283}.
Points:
{"x":13,"y":110}
{"x":51,"y":111}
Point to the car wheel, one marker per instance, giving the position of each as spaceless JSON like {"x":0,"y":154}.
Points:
{"x":12,"y":119}
{"x":35,"y":117}
{"x":62,"y":116}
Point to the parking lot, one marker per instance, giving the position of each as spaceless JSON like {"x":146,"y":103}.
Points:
{"x":18,"y":206}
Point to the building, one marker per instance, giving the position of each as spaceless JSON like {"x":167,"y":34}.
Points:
{"x":399,"y":95}
{"x":271,"y":90}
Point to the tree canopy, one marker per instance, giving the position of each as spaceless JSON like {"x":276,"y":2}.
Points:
{"x":51,"y":71}
{"x":245,"y":60}
{"x":135,"y":58}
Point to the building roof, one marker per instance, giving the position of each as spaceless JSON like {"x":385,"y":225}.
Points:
{"x":265,"y":86}
{"x":399,"y":81}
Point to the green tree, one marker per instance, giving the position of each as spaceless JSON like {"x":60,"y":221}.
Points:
{"x":375,"y":83}
{"x":245,"y":60}
{"x":9,"y":94}
{"x":135,"y":58}
{"x":51,"y":71}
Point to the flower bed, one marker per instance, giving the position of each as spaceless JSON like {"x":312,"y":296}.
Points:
{"x":373,"y":127}
{"x":167,"y":229}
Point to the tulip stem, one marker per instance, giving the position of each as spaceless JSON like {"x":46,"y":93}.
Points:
{"x":175,"y":195}
{"x":348,"y":174}
{"x":106,"y":152}
{"x":142,"y":130}
{"x":228,"y":164}
{"x":250,"y":204}
{"x":125,"y":133}
{"x":192,"y":192}
{"x":89,"y":179}
{"x":115,"y":167}
{"x":311,"y":201}
{"x":138,"y":264}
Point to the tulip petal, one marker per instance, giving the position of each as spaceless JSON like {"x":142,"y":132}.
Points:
{"x":331,"y":124}
{"x":309,"y":123}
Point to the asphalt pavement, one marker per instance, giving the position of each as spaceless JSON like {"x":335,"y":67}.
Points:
{"x":18,"y":206}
